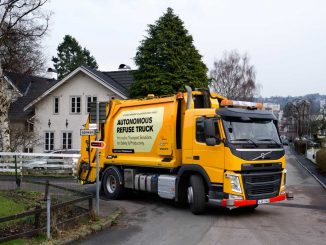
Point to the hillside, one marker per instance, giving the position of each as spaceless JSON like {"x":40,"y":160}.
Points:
{"x":314,"y":99}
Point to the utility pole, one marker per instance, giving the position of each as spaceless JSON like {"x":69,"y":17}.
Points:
{"x":97,"y":160}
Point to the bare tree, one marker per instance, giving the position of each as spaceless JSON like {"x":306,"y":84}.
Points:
{"x":22,"y":18}
{"x":22,"y":54}
{"x":233,"y":77}
{"x":22,"y":138}
{"x":300,"y":110}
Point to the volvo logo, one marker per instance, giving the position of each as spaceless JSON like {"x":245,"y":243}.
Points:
{"x":262,"y":155}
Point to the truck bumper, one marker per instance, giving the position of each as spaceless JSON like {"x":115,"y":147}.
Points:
{"x":234,"y":203}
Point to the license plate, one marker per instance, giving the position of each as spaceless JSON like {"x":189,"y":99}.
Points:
{"x":263,"y":201}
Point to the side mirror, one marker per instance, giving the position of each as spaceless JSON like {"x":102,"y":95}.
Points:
{"x":218,"y":140}
{"x":211,"y":141}
{"x":210,"y":133}
{"x":209,"y":128}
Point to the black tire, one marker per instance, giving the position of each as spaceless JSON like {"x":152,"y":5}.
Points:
{"x":182,"y":194}
{"x":198,"y":200}
{"x":112,"y":183}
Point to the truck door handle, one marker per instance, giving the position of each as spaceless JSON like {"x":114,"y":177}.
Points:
{"x":195,"y":157}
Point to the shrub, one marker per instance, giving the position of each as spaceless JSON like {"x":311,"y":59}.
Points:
{"x":300,"y":146}
{"x":321,"y":159}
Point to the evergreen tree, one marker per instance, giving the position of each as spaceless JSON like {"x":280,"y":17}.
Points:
{"x":167,"y":59}
{"x":70,"y":56}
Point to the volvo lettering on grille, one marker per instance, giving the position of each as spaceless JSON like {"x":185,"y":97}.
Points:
{"x":262,"y":155}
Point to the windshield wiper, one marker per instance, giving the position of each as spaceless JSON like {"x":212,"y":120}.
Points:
{"x":270,"y":139}
{"x":248,"y":140}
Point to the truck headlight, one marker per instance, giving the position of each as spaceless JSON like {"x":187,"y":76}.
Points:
{"x":235,"y":182}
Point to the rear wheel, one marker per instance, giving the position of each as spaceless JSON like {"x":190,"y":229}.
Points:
{"x":196,"y":194}
{"x":112,"y":183}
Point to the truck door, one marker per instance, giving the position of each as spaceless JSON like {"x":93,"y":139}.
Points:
{"x":211,"y":158}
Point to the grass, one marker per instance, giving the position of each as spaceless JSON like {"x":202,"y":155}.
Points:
{"x":9,"y":206}
{"x":17,"y":201}
{"x":27,"y":241}
{"x":26,"y":198}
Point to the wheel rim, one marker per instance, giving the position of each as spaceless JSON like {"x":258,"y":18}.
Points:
{"x":111,"y":184}
{"x":190,"y":194}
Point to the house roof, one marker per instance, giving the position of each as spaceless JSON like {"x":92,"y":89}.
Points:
{"x":107,"y":81}
{"x":124,"y":77}
{"x":19,"y":81}
{"x":30,"y":87}
{"x":115,"y":81}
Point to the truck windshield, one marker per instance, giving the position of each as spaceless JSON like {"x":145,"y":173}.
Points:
{"x":251,"y":131}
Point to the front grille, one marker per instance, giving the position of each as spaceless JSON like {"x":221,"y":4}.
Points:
{"x":261,"y":185}
{"x":261,"y":178}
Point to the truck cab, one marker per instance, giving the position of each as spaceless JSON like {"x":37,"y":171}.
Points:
{"x":240,"y":151}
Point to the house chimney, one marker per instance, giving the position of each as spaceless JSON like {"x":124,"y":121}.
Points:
{"x":124,"y":67}
{"x":51,"y":74}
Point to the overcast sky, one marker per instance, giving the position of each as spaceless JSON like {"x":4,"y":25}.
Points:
{"x":285,"y":39}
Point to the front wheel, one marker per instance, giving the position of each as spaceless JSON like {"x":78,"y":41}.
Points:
{"x":196,"y":194}
{"x":112,"y":183}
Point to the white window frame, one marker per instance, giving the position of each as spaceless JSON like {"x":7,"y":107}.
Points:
{"x":54,"y":98}
{"x":92,"y":100}
{"x":80,"y":104}
{"x":49,"y":141}
{"x":64,"y":141}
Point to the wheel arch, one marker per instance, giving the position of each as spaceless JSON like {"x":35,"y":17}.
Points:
{"x":183,"y":177}
{"x":117,"y":169}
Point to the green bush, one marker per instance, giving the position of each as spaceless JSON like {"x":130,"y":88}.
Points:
{"x":321,"y":159}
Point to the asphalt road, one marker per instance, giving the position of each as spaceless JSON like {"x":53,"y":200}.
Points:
{"x":151,"y":220}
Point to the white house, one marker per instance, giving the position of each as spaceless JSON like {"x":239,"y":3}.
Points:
{"x":61,"y":111}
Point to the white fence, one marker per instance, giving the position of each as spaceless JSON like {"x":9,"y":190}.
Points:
{"x":48,"y":163}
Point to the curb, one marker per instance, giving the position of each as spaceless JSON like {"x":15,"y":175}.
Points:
{"x":311,"y":173}
{"x":109,"y":221}
{"x":315,"y":177}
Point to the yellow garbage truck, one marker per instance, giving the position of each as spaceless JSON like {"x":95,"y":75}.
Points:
{"x":194,"y":147}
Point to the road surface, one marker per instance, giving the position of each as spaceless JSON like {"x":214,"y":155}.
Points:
{"x":151,"y":220}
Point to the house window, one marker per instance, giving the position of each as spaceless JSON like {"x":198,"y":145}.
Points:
{"x":56,"y":105}
{"x":66,"y":140}
{"x":28,"y":149}
{"x":29,"y":127}
{"x":49,"y":141}
{"x":75,"y":104}
{"x":89,"y":100}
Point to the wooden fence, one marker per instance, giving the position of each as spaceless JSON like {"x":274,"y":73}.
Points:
{"x":37,"y":227}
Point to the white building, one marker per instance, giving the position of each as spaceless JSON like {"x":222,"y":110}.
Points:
{"x":61,"y":111}
{"x":271,"y":107}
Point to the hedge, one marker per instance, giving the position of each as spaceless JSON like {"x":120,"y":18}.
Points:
{"x":321,"y":159}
